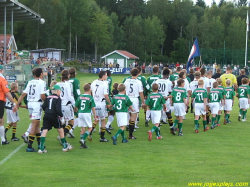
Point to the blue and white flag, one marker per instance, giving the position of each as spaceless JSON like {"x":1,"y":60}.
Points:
{"x":195,"y":51}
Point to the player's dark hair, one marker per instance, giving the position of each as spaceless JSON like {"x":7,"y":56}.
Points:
{"x":115,"y":85}
{"x":86,"y":87}
{"x":155,"y":87}
{"x":65,"y":75}
{"x":215,"y":84}
{"x":178,"y":69}
{"x":139,"y":69}
{"x":244,"y":80}
{"x":218,"y":70}
{"x":101,"y":74}
{"x":108,"y":73}
{"x":134,"y":72}
{"x":155,"y":69}
{"x":197,"y":74}
{"x":180,"y":81}
{"x":34,"y":72}
{"x":203,"y":71}
{"x":38,"y":72}
{"x":166,"y":71}
{"x":191,"y":71}
{"x":229,"y":68}
{"x":72,"y":72}
{"x":181,"y":74}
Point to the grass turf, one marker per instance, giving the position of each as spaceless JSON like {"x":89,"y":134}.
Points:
{"x":219,"y":155}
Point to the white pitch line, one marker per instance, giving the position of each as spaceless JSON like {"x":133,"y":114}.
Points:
{"x":11,"y":154}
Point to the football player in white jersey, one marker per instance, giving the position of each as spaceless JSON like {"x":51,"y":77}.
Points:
{"x":134,"y":90}
{"x":35,"y":91}
{"x":194,"y":85}
{"x":68,"y":101}
{"x":205,"y":79}
{"x":165,"y":89}
{"x":100,"y":92}
{"x":211,"y":80}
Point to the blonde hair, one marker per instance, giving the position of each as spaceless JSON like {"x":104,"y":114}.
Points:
{"x":200,"y":82}
{"x":121,"y":87}
{"x":53,"y":83}
{"x":13,"y":85}
{"x":219,"y":81}
{"x":228,"y":82}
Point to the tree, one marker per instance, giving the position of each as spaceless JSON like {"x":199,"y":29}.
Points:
{"x":191,"y":29}
{"x":99,"y":32}
{"x":201,"y":3}
{"x":180,"y":52}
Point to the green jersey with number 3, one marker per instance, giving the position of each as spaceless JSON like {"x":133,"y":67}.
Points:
{"x":155,"y":101}
{"x":215,"y":95}
{"x":121,"y":103}
{"x":199,"y":94}
{"x":176,"y":76}
{"x":178,"y":95}
{"x":229,"y":92}
{"x":85,"y":103}
{"x":243,"y":91}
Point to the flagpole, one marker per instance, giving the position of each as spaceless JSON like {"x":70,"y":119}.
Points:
{"x":247,"y":22}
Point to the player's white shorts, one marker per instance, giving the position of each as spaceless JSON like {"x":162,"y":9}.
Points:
{"x":68,"y":112}
{"x":35,"y":110}
{"x":12,"y":117}
{"x":214,"y":107}
{"x":199,"y":109}
{"x":101,"y":111}
{"x":135,"y":105}
{"x":122,"y":118}
{"x":220,"y":106}
{"x":243,"y":103}
{"x":228,"y":104}
{"x":84,"y":120}
{"x":168,"y":106}
{"x":179,"y":109}
{"x":155,"y":116}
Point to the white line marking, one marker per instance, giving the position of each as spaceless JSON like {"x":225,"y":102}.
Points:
{"x":11,"y":154}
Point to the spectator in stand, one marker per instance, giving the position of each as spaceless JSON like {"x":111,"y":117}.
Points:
{"x":90,"y":67}
{"x":143,"y":67}
{"x":110,"y":65}
{"x":136,"y":64}
{"x":242,"y":75}
{"x":238,"y":70}
{"x":177,"y":64}
{"x":235,"y":70}
{"x":208,"y":67}
{"x":181,"y":65}
{"x":184,"y":66}
{"x":107,"y":65}
{"x":217,"y":74}
{"x":150,"y":68}
{"x":191,"y":74}
{"x":214,"y":67}
{"x":133,"y":64}
{"x":224,"y":68}
{"x":161,"y":67}
{"x":117,"y":65}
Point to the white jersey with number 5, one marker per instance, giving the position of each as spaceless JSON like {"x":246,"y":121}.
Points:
{"x":211,"y":81}
{"x":133,"y":87}
{"x":34,"y":89}
{"x":165,"y":86}
{"x":66,"y":93}
{"x":99,"y":89}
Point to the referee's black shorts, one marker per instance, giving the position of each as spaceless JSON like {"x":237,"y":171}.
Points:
{"x":50,"y":121}
{"x":2,"y":105}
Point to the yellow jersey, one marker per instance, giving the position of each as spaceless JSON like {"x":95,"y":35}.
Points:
{"x":226,"y":76}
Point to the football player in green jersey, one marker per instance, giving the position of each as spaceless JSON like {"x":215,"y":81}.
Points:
{"x":222,"y":90}
{"x":121,"y":103}
{"x":155,"y":101}
{"x":243,"y":95}
{"x":176,"y":74}
{"x":84,"y":105}
{"x":229,"y":92}
{"x":214,"y":98}
{"x":199,"y":95}
{"x":178,"y":99}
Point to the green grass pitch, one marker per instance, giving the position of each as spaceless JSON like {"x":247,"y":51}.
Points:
{"x":219,"y":155}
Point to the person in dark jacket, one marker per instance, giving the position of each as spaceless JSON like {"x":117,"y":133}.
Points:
{"x":242,"y":75}
{"x":217,"y":74}
{"x":191,"y":74}
{"x":52,"y":114}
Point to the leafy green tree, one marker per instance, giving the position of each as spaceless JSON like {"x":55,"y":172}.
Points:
{"x":180,"y":52}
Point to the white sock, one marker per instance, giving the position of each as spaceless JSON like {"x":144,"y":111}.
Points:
{"x":100,"y":124}
{"x":2,"y":133}
{"x":128,"y":119}
{"x":27,"y":133}
{"x":110,"y":120}
{"x":147,"y":114}
{"x":75,"y":123}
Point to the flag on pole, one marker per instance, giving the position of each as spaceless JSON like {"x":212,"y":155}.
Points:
{"x":195,"y":51}
{"x":247,"y":22}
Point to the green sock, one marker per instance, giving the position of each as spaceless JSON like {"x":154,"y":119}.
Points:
{"x":218,"y":119}
{"x":180,"y":127}
{"x":157,"y":131}
{"x":240,"y":112}
{"x":175,"y":122}
{"x":244,"y":114}
{"x":227,"y":116}
{"x":196,"y":124}
{"x":85,"y":135}
{"x":204,"y":124}
{"x":42,"y":143}
{"x":118,"y":133}
{"x":63,"y":140}
{"x":154,"y":129}
{"x":213,"y":121}
{"x":123,"y":135}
